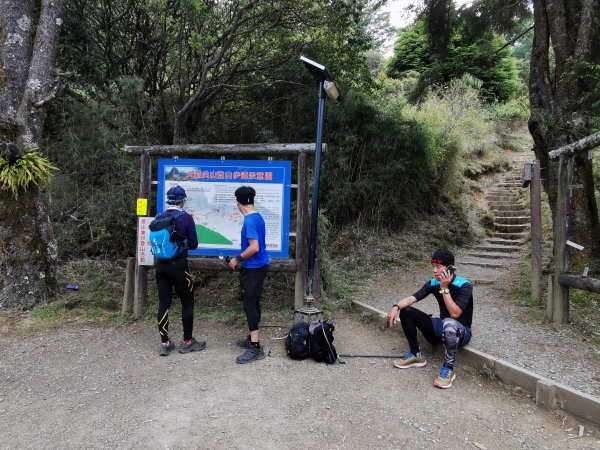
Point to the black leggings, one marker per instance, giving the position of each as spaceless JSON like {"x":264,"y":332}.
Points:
{"x":412,"y":319}
{"x":251,"y":281}
{"x":174,"y":274}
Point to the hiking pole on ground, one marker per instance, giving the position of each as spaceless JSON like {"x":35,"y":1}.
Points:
{"x":352,"y":355}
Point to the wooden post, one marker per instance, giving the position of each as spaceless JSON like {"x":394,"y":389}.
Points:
{"x":536,"y":231}
{"x":302,"y":226}
{"x":550,"y":298}
{"x":560,"y":309}
{"x":129,"y":286}
{"x":141,"y":272}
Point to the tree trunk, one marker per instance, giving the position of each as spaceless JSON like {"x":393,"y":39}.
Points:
{"x":561,"y":101}
{"x":27,"y":53}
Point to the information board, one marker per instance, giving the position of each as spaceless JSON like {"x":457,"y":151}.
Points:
{"x":210,"y":186}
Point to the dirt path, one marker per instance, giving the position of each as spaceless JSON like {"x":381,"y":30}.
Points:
{"x":89,"y":387}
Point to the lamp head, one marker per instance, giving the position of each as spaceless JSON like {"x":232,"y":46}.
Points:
{"x":319,"y":71}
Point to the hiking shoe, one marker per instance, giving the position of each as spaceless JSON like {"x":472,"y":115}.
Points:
{"x":251,"y":354}
{"x":166,"y":349}
{"x":243,"y":343}
{"x":193,"y":346}
{"x":445,"y":378}
{"x":409,"y":360}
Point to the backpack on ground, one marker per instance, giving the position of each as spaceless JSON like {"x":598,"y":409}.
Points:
{"x":321,"y":342}
{"x":165,"y":241}
{"x":296,"y":342}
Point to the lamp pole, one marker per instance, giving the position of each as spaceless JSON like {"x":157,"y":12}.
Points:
{"x":314,"y":215}
{"x":308,"y":312}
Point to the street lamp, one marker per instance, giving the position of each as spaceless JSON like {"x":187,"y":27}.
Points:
{"x":326,"y":88}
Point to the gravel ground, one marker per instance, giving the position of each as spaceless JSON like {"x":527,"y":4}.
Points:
{"x":83,"y":386}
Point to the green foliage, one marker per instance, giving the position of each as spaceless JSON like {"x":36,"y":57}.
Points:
{"x":411,"y":51}
{"x":93,"y":197}
{"x":461,"y":127}
{"x":30,"y":168}
{"x":379,"y":167}
{"x":515,"y":111}
{"x":485,"y":58}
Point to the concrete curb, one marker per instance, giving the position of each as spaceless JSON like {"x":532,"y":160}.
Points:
{"x":548,"y":394}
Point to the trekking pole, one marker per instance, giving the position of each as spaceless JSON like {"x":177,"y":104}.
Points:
{"x":276,"y":338}
{"x":352,"y":355}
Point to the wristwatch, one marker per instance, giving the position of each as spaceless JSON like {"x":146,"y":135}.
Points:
{"x":446,"y":291}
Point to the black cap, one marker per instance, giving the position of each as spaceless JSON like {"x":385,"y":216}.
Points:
{"x":443,"y":256}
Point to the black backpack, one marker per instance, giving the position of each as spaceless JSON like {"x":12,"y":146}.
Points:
{"x":296,"y":342}
{"x":321,"y":342}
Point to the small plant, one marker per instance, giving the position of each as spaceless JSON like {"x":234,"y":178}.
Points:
{"x":30,"y":168}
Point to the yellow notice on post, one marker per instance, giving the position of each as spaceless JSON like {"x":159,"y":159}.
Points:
{"x":142,"y":206}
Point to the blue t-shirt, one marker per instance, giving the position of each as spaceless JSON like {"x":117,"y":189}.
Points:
{"x":254,"y":228}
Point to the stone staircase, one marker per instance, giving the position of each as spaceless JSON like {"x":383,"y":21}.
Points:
{"x":507,"y":201}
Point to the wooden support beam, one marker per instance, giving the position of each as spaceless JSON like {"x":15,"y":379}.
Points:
{"x":141,"y":272}
{"x":536,"y":231}
{"x":128,"y":295}
{"x":302,"y":226}
{"x":560,"y":300}
{"x":222,"y":149}
{"x":276,"y":265}
{"x":587,"y":143}
{"x":579,"y":282}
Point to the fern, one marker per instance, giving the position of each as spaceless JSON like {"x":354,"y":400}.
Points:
{"x":28,"y":169}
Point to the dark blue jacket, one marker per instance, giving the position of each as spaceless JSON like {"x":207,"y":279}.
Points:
{"x":185,"y":226}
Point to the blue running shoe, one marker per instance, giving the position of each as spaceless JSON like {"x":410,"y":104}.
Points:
{"x":445,"y":378}
{"x":410,"y":360}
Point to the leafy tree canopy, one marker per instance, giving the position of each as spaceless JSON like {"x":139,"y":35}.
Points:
{"x":487,"y":58}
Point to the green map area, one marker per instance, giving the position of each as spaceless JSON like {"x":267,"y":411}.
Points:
{"x":208,"y":236}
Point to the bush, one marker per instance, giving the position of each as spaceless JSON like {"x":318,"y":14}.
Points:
{"x":380,"y":167}
{"x":93,"y":195}
{"x":462,"y":130}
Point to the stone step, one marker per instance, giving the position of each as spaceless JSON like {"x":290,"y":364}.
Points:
{"x":504,"y":191}
{"x":511,"y":213}
{"x":491,"y":255}
{"x":510,"y":228}
{"x":511,"y":235}
{"x":505,"y":206}
{"x":494,"y":248}
{"x":483,"y":263}
{"x":513,"y":198}
{"x":510,"y":184}
{"x":481,"y":281}
{"x":512,"y":220}
{"x":509,"y":242}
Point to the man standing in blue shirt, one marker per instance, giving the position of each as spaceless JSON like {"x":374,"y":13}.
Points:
{"x":254,"y":262}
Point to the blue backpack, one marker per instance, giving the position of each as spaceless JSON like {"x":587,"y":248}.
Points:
{"x":165,"y":241}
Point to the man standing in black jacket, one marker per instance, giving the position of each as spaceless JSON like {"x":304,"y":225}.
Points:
{"x":173,"y":273}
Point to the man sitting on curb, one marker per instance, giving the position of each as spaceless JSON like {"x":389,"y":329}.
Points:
{"x":453,"y":328}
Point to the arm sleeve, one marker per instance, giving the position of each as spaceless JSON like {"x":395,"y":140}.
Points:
{"x":190,"y":232}
{"x":423,"y":292}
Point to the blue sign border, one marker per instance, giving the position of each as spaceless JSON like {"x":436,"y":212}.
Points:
{"x":222,"y":171}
